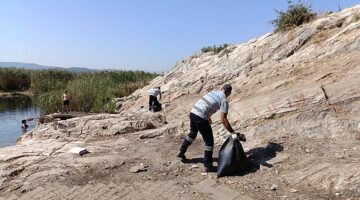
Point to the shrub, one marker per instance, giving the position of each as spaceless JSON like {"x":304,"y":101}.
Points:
{"x":296,"y":15}
{"x":13,"y":79}
{"x":214,"y":48}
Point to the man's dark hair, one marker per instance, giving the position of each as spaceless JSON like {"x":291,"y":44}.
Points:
{"x":227,"y":88}
{"x":23,"y":121}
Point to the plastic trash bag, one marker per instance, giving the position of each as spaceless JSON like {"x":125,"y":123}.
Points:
{"x":156,"y":107}
{"x":232,"y":158}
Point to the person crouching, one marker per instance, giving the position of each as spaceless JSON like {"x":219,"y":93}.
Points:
{"x":200,"y":120}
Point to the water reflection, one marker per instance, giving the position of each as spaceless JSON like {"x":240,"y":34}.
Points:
{"x":15,"y":103}
{"x":12,"y":111}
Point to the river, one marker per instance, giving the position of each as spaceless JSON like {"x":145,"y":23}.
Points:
{"x":12,"y":111}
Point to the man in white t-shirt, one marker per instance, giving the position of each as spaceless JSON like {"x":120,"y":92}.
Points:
{"x":153,"y":101}
{"x":200,"y":121}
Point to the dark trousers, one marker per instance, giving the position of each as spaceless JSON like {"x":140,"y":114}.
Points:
{"x":153,"y":101}
{"x":199,"y":124}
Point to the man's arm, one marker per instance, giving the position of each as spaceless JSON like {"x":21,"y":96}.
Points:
{"x":160,"y":96}
{"x":226,"y":123}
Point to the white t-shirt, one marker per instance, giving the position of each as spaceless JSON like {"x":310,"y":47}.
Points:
{"x":154,"y":92}
{"x":210,"y":103}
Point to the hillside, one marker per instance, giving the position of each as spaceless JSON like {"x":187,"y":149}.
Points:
{"x":296,"y":98}
{"x":33,"y":66}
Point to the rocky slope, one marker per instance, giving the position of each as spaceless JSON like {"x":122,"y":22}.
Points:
{"x":296,"y":98}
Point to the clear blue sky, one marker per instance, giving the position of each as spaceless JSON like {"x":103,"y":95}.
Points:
{"x":148,"y":35}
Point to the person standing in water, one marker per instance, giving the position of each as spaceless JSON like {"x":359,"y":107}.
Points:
{"x":24,"y":126}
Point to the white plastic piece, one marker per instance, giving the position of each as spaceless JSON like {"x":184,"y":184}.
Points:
{"x":78,"y":150}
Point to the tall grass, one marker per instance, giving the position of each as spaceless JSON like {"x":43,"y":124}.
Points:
{"x":90,"y":91}
{"x":13,"y":79}
{"x":49,"y":80}
{"x":49,"y":102}
{"x":93,"y":92}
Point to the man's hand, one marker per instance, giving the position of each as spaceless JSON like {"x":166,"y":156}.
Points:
{"x":241,"y":137}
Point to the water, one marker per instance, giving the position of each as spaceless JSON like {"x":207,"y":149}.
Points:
{"x":12,"y":111}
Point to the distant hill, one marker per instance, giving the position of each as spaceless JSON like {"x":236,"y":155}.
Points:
{"x":42,"y":67}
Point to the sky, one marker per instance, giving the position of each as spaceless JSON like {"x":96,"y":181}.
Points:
{"x":148,"y":35}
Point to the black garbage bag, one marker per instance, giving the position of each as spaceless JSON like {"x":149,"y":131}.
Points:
{"x":232,"y":158}
{"x":156,"y":106}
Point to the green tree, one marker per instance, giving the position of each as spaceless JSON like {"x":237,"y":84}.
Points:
{"x":296,"y":15}
{"x":214,"y":48}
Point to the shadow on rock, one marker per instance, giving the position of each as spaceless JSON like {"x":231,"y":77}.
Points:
{"x":197,"y":160}
{"x":260,"y":155}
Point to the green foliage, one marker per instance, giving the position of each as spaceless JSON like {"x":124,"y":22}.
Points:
{"x":50,"y":102}
{"x":43,"y":81}
{"x":214,"y":48}
{"x":90,"y":91}
{"x":296,"y":15}
{"x":93,"y":92}
{"x":13,"y":79}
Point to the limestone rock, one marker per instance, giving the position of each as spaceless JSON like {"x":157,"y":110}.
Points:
{"x":138,"y":168}
{"x":79,"y":151}
{"x":296,"y":97}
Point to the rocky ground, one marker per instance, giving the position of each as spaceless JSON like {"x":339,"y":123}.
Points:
{"x":284,"y":166}
{"x":296,"y":98}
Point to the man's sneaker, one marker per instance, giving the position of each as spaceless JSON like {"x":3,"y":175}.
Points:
{"x":210,"y":169}
{"x":182,"y":156}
